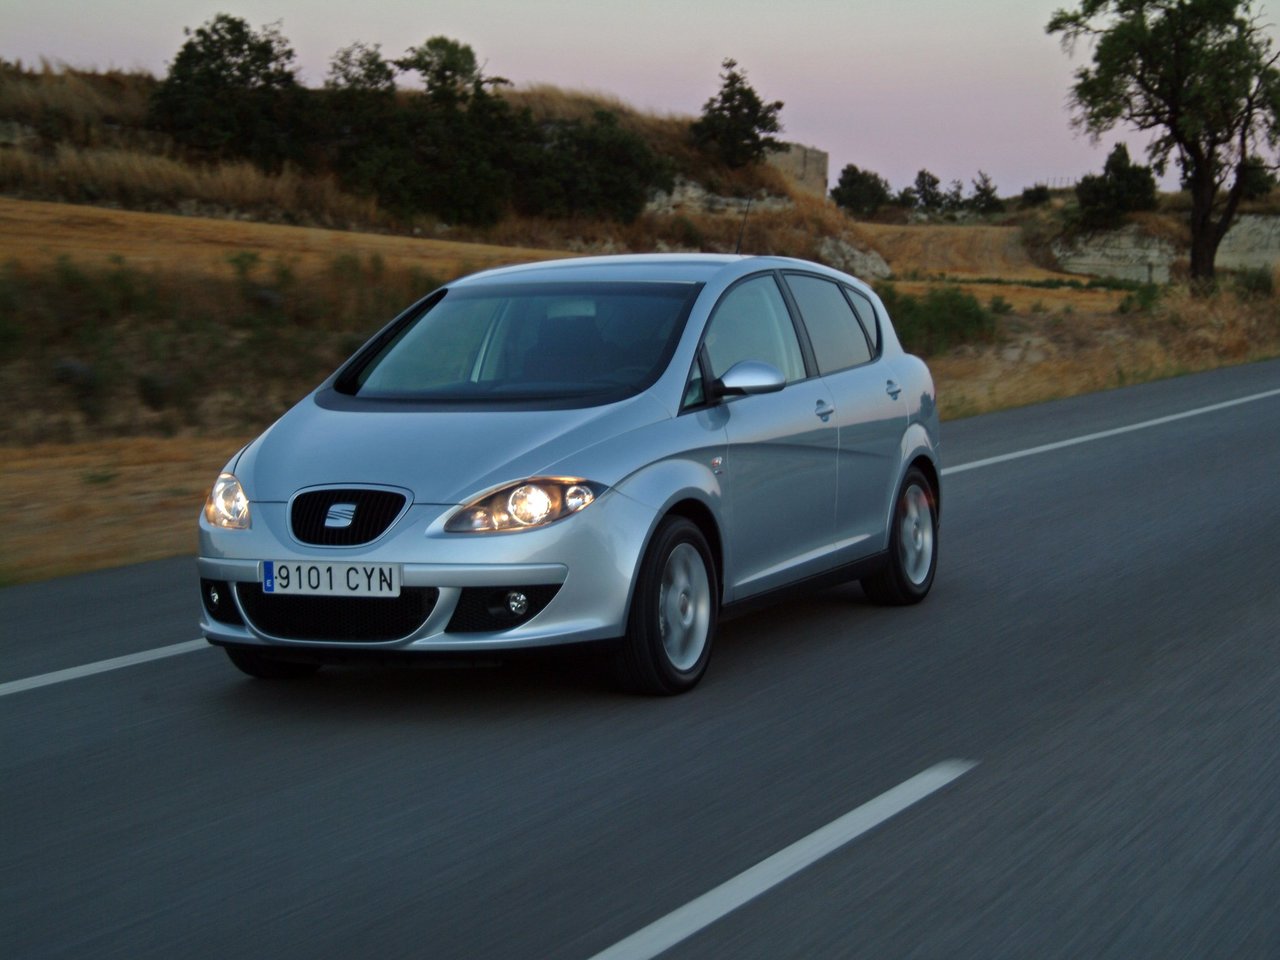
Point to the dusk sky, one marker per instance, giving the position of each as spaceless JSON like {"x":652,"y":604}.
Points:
{"x":889,"y":85}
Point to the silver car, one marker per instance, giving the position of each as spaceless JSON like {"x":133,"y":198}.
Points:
{"x":614,"y":450}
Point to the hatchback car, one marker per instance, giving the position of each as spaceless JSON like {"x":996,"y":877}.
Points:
{"x":612,"y":450}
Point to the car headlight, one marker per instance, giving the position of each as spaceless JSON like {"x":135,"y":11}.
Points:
{"x":227,"y":506}
{"x":529,"y":503}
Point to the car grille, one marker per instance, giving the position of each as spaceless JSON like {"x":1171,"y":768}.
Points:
{"x":374,"y":512}
{"x":337,"y":619}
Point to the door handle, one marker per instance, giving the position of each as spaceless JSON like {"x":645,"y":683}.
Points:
{"x":824,"y":410}
{"x":892,"y":389}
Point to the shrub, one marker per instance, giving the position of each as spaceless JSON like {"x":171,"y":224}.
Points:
{"x":1036,"y":196}
{"x":943,"y":318}
{"x":595,"y":169}
{"x":861,"y":192}
{"x":1124,"y":187}
{"x":1258,"y":282}
{"x":1000,"y":306}
{"x":1141,"y":300}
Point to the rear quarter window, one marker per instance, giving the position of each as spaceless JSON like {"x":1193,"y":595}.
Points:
{"x":867,"y":316}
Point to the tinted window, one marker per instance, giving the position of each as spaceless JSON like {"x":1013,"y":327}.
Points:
{"x":837,"y":337}
{"x":751,"y":322}
{"x":530,"y":341}
{"x":867,"y":315}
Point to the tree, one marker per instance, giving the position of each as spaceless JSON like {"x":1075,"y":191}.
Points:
{"x":928,"y":192}
{"x":861,"y":192}
{"x":359,"y":67}
{"x":449,"y":70}
{"x":736,"y":125}
{"x":985,"y":199}
{"x":1123,"y":188}
{"x":953,"y":199}
{"x":232,"y":91}
{"x":1201,"y":75}
{"x":357,"y":115}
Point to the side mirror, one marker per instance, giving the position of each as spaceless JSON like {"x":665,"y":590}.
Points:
{"x":749,"y":377}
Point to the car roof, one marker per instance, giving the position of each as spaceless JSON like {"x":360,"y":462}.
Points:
{"x":644,"y":267}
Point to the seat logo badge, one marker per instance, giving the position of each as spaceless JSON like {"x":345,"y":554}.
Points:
{"x":340,"y":516}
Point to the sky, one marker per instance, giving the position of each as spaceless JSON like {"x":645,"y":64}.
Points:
{"x":893,"y":86}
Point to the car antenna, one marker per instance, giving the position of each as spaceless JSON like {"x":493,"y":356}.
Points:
{"x":743,"y":228}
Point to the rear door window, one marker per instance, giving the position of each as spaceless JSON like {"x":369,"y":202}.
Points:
{"x":837,"y":337}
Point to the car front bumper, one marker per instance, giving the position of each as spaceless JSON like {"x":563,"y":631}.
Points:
{"x":574,"y":578}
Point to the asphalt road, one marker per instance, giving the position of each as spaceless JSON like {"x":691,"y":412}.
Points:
{"x":1101,"y":641}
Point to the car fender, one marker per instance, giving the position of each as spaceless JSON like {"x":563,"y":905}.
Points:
{"x":676,"y":485}
{"x":916,"y":443}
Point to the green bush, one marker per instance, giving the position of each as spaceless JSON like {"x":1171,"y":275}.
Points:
{"x":1000,"y":306}
{"x":595,"y":169}
{"x":943,"y":318}
{"x":1036,"y":196}
{"x":1141,"y":300}
{"x":861,"y":192}
{"x":1259,"y":283}
{"x":1123,"y":187}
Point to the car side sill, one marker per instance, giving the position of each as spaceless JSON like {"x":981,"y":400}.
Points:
{"x":842,"y":574}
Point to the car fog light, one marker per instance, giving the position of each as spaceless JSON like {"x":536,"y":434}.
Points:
{"x":517,"y":603}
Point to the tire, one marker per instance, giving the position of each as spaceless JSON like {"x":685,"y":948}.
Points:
{"x":673,"y":614}
{"x":266,"y":667}
{"x":913,"y":546}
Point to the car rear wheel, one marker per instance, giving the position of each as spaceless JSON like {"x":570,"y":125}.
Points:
{"x":673,"y":613}
{"x":266,"y":667}
{"x":913,"y":546}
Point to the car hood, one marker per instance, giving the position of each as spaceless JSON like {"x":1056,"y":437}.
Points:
{"x":443,"y":457}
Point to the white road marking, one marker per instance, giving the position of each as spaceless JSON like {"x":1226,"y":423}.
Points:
{"x":116,"y":663}
{"x":1103,"y":434}
{"x":101,"y":666}
{"x":711,"y":906}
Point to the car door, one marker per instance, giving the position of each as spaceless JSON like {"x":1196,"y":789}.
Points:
{"x":870,"y":412}
{"x":778,"y":477}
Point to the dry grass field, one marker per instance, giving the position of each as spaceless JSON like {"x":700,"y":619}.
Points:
{"x":85,"y":505}
{"x":34,"y":233}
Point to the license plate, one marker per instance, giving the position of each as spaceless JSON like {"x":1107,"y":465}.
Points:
{"x":331,"y":579}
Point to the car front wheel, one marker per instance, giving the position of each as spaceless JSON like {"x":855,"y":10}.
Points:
{"x":913,"y":546}
{"x":673,"y":613}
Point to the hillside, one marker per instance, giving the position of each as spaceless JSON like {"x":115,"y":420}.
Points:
{"x":155,"y":314}
{"x":36,"y":233}
{"x":957,"y":251}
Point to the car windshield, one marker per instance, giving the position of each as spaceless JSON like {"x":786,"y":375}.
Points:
{"x":593,"y":342}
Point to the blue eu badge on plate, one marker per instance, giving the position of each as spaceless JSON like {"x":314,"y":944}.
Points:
{"x":268,"y":576}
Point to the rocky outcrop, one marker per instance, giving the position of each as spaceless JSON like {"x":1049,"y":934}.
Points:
{"x":1252,"y":243}
{"x":689,"y":197}
{"x":1124,"y":254}
{"x":842,"y":255}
